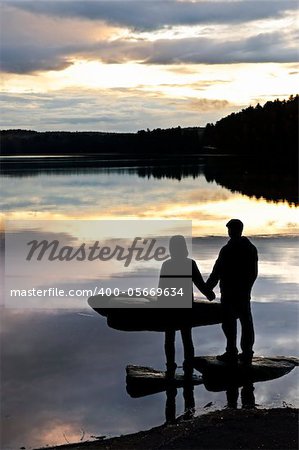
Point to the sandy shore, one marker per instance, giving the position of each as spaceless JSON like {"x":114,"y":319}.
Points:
{"x":226,"y":429}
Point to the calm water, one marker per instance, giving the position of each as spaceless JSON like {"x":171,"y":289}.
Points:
{"x":63,"y":376}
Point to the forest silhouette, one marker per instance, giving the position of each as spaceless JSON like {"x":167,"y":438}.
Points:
{"x":271,"y":129}
{"x":254,"y":152}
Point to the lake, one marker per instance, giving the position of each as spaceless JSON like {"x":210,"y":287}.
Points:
{"x":63,"y":369}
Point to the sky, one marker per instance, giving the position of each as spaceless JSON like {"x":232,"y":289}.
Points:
{"x":130,"y":65}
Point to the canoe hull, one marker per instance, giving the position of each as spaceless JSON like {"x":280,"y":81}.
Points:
{"x":157,"y":319}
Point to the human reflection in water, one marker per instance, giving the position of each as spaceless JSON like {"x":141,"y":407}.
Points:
{"x":215,"y":377}
{"x":232,"y":396}
{"x":247,"y":396}
{"x":236,"y":269}
{"x":170,"y":408}
{"x":180,"y":272}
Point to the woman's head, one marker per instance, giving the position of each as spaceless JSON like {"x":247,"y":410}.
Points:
{"x":178,"y":247}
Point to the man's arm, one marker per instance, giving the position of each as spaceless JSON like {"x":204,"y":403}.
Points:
{"x":213,"y":279}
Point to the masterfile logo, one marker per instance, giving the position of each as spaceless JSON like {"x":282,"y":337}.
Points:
{"x":60,"y":264}
{"x":143,"y":251}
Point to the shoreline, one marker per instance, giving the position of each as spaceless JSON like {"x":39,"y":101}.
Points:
{"x":249,"y":429}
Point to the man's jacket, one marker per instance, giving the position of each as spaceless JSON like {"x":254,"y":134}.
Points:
{"x":235,"y":268}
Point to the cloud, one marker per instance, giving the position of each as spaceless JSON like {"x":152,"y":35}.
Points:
{"x":152,"y":15}
{"x":266,"y":47}
{"x":107,"y":110}
{"x":28,"y":59}
{"x":43,"y":36}
{"x":161,"y":52}
{"x":204,"y":104}
{"x":31,"y":42}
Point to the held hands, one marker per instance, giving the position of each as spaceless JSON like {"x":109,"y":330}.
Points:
{"x":211,"y":296}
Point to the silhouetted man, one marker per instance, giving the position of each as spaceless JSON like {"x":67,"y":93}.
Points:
{"x":236,"y":269}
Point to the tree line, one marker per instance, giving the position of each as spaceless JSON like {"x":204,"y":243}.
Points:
{"x":266,"y":130}
{"x":144,"y":143}
{"x":271,"y":129}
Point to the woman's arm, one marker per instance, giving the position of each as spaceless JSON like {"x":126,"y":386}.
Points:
{"x":199,"y":282}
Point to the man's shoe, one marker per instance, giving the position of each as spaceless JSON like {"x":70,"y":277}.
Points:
{"x":230,"y":358}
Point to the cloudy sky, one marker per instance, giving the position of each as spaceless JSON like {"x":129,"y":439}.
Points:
{"x":129,"y":65}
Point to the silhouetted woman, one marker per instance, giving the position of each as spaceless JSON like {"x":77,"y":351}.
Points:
{"x":180,"y":272}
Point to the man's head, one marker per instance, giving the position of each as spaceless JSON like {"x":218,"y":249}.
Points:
{"x":235,"y":228}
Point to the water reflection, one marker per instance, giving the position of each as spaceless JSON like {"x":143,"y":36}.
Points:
{"x":233,"y":379}
{"x":143,"y":381}
{"x":277,"y":280}
{"x":234,"y":390}
{"x":233,"y":393}
{"x":170,"y":406}
{"x":273,"y":179}
{"x":244,"y":175}
{"x":185,"y":193}
{"x":63,"y":372}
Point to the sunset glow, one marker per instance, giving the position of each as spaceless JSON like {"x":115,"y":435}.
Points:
{"x":160,"y":58}
{"x":208,"y":218}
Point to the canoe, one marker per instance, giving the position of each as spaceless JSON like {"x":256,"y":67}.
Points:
{"x":122,"y":314}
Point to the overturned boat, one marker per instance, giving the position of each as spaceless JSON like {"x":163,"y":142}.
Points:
{"x":143,"y":314}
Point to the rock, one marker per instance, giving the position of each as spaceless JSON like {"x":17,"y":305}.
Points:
{"x":142,"y":381}
{"x":218,"y":376}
